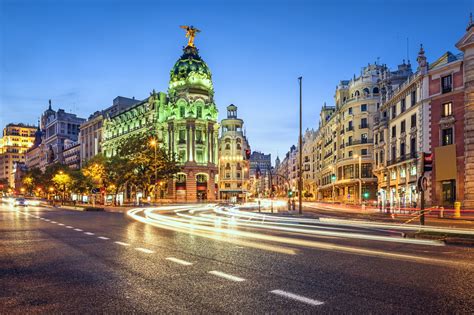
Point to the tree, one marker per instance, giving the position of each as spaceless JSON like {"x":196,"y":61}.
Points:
{"x":147,"y":165}
{"x":63,"y":182}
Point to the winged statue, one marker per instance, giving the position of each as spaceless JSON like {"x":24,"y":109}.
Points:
{"x":190,"y":33}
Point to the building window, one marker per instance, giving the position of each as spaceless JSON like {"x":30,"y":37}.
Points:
{"x":413,"y":121}
{"x":182,"y":111}
{"x":402,"y":149}
{"x":363,"y":152}
{"x":402,"y":173}
{"x":182,"y":135}
{"x":447,"y":136}
{"x":394,"y":111}
{"x":350,"y":153}
{"x":363,"y":107}
{"x":363,"y":123}
{"x":349,"y":110}
{"x":199,"y":112}
{"x":449,"y":191}
{"x":447,"y":109}
{"x":403,"y":127}
{"x":446,"y":84}
{"x":394,"y":153}
{"x":413,"y":98}
{"x":413,"y":147}
{"x":364,"y":138}
{"x":402,"y":105}
{"x":394,"y":131}
{"x":413,"y":170}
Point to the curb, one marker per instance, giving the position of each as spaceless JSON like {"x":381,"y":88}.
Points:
{"x":448,"y":240}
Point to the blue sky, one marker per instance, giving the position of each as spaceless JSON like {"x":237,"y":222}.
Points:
{"x":82,"y":54}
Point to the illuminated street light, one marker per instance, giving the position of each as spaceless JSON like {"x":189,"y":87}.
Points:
{"x":153,"y":143}
{"x":360,"y":176}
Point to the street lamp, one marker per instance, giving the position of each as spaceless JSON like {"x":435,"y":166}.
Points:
{"x":333,"y":179}
{"x":360,"y":177}
{"x":153,"y":143}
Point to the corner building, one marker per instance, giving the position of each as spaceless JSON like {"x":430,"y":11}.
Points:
{"x":184,"y":122}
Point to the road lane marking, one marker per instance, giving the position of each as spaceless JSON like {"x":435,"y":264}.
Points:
{"x":61,"y":224}
{"x":122,"y":243}
{"x":103,"y":238}
{"x":88,"y":233}
{"x":226,"y":276}
{"x":54,"y":222}
{"x":297,"y":297}
{"x":47,"y":220}
{"x":79,"y":230}
{"x":179,"y":261}
{"x":144,"y":250}
{"x":69,"y":227}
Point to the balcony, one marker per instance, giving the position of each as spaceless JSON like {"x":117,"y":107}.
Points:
{"x":357,"y":142}
{"x":350,"y":128}
{"x":181,"y":141}
{"x":364,"y":126}
{"x":403,"y":158}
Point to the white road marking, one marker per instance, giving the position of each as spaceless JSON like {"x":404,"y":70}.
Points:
{"x":61,"y":224}
{"x":297,"y":297}
{"x":79,"y":230}
{"x":88,"y":233}
{"x":122,"y":243}
{"x":69,"y":227}
{"x":144,"y":250}
{"x":226,"y":276}
{"x":47,"y":220}
{"x":53,"y":222}
{"x":179,"y":261}
{"x":103,"y":238}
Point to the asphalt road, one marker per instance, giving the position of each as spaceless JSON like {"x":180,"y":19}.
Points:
{"x":55,"y":261}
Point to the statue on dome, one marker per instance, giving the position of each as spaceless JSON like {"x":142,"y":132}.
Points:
{"x":190,"y":34}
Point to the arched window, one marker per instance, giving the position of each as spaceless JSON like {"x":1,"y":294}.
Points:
{"x":357,"y":93}
{"x":239,"y":147}
{"x":375,"y":90}
{"x":227,"y":166}
{"x":227,"y":146}
{"x":366,"y":91}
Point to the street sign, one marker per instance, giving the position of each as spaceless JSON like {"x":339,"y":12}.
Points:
{"x":422,"y":183}
{"x":95,"y":190}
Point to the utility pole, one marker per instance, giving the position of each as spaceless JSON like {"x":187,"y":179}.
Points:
{"x":300,"y":180}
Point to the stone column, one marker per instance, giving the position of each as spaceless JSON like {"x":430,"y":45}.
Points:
{"x":193,"y":143}
{"x":188,"y":142}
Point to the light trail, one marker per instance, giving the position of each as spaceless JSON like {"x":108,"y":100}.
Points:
{"x":152,"y":216}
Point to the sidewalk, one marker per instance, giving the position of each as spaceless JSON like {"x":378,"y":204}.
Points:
{"x":374,"y":214}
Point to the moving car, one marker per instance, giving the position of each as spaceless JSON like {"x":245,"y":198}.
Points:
{"x":20,"y":202}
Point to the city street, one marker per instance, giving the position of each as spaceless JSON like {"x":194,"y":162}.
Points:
{"x":202,"y":259}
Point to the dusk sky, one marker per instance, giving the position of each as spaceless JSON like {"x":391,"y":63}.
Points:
{"x":82,"y":54}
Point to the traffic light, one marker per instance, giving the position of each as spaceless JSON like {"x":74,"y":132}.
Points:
{"x":247,"y":154}
{"x":427,"y":162}
{"x":333,"y":178}
{"x":366,"y":195}
{"x":290,"y":193}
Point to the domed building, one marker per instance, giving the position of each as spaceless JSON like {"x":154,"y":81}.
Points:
{"x":185,"y":123}
{"x":188,"y":125}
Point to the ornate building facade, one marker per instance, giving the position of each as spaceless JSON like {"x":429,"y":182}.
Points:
{"x":185,"y":123}
{"x":234,"y":166}
{"x":401,"y":129}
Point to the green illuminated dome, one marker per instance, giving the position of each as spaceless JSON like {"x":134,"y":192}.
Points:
{"x":191,"y":72}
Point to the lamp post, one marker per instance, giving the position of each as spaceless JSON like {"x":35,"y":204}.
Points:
{"x":360,"y":177}
{"x":300,"y":179}
{"x":332,"y":181}
{"x":154,"y":145}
